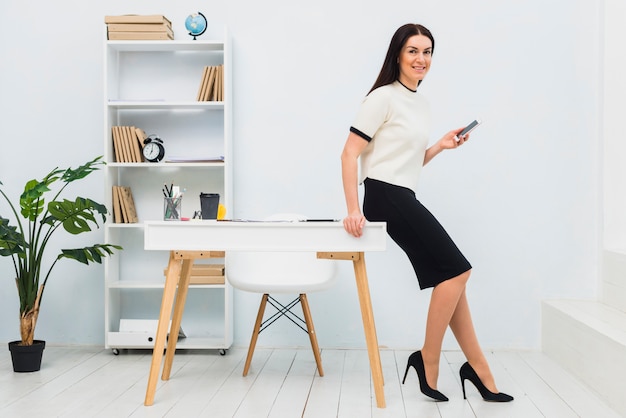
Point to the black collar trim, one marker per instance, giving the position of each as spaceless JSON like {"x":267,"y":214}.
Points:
{"x":414,"y":91}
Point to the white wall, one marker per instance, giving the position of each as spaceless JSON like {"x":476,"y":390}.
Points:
{"x":613,"y":284}
{"x":521,"y":199}
{"x":614,"y":146}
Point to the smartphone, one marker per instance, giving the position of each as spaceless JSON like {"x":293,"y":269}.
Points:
{"x":469,"y":128}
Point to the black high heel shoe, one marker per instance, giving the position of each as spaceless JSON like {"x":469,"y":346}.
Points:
{"x":468,"y":372}
{"x":417,"y":362}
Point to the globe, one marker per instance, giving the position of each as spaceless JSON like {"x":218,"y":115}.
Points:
{"x":195,"y":24}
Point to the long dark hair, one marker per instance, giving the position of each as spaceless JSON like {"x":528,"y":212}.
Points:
{"x":391,"y":70}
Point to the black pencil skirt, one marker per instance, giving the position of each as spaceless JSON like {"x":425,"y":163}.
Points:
{"x":433,"y":254}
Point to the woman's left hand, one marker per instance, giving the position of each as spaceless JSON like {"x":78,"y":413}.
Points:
{"x":448,"y":141}
{"x":451,"y":140}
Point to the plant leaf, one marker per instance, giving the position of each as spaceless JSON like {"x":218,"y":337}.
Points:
{"x":31,"y":200}
{"x":84,"y":170}
{"x":93,"y":254}
{"x":77,"y":215}
{"x":11,"y":241}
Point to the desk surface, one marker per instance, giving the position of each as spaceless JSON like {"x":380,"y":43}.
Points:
{"x":261,"y":236}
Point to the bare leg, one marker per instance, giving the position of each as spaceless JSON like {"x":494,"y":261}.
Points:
{"x":463,"y":328}
{"x":443,"y":303}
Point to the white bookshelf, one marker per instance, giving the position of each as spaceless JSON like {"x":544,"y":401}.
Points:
{"x":153,"y":85}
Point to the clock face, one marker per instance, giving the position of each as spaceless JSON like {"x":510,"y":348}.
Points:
{"x":152,"y":151}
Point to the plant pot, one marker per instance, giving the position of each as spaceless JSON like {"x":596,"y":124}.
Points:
{"x":26,"y":358}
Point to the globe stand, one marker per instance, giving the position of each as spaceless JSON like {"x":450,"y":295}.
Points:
{"x":190,"y":25}
{"x":194,"y":36}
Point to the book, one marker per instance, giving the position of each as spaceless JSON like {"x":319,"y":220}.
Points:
{"x":141,"y":36}
{"x":220,"y":84}
{"x":126,"y":143}
{"x":205,"y":83}
{"x":137,"y":19}
{"x":117,"y":138}
{"x":129,"y":202}
{"x":202,"y":81}
{"x":195,"y":159}
{"x":215,"y":88}
{"x":123,"y":157}
{"x":205,"y":274}
{"x":208,"y":91}
{"x":116,"y":143}
{"x":221,"y":96}
{"x":139,"y":27}
{"x":117,"y":209}
{"x":129,"y":144}
{"x":141,"y":137}
{"x":216,"y":85}
{"x":135,"y":32}
{"x":125,"y":216}
{"x":126,"y":208}
{"x":117,"y":190}
{"x":128,"y":156}
{"x":134,"y":144}
{"x":194,"y":279}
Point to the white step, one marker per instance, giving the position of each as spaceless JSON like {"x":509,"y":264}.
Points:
{"x":588,"y":339}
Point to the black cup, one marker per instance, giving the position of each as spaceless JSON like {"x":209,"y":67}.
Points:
{"x":209,"y":203}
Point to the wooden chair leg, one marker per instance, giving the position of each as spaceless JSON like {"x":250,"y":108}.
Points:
{"x":255,"y":333}
{"x":309,"y":325}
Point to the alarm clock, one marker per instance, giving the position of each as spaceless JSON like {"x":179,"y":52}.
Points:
{"x":153,"y":149}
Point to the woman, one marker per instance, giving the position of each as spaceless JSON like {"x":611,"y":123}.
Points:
{"x":390,"y":136}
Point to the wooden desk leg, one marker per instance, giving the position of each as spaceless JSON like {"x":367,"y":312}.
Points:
{"x":171,"y":281}
{"x":370,"y":328}
{"x":179,"y":308}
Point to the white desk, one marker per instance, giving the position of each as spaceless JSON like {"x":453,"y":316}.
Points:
{"x":187,"y":241}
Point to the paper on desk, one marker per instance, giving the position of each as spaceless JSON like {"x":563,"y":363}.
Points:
{"x":183,"y":159}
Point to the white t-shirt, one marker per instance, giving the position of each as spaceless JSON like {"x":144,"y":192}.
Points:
{"x":396,"y":123}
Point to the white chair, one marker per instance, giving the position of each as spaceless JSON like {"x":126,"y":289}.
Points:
{"x":281,"y":272}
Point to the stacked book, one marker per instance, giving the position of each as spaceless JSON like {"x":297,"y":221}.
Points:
{"x":205,"y":274}
{"x":124,"y":206}
{"x":128,"y":144}
{"x":212,"y":84}
{"x":138,"y":27}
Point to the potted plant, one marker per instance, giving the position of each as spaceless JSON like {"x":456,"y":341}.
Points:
{"x":27,"y":241}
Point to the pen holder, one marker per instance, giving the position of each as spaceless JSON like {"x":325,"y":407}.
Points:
{"x":171,"y":208}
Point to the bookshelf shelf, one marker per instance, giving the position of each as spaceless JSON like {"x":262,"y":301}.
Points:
{"x":154,"y":85}
{"x":136,"y":225}
{"x":167,"y":46}
{"x":217,"y":165}
{"x":140,"y":340}
{"x":164,"y":105}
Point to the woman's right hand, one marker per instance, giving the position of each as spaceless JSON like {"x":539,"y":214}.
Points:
{"x":354,"y":223}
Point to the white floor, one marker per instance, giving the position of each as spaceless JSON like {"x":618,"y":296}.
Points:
{"x":282,"y":383}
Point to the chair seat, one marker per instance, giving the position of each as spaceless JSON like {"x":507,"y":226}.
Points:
{"x":279,"y":272}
